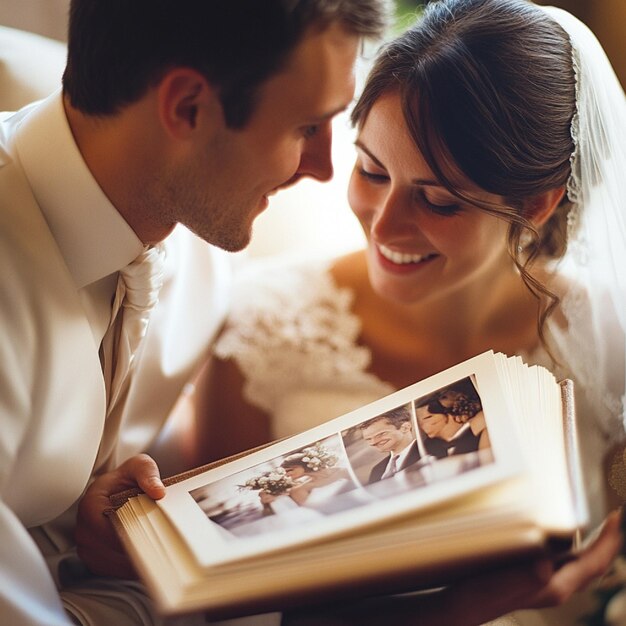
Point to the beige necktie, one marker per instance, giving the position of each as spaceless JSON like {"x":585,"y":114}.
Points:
{"x":392,"y":467}
{"x":136,"y":295}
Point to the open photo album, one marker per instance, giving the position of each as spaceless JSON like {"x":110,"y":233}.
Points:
{"x":463,"y":470}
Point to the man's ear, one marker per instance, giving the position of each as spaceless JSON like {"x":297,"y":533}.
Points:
{"x":542,"y":206}
{"x":187,"y":102}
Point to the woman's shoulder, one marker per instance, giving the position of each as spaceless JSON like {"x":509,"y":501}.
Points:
{"x":288,"y":304}
{"x":292,"y":326}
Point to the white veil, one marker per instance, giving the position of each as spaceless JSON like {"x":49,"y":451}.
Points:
{"x":594,"y":349}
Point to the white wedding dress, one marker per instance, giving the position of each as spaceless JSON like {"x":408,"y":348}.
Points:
{"x":294,"y":337}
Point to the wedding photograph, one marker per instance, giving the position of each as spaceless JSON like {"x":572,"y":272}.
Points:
{"x":292,"y":489}
{"x":408,"y":441}
{"x":418,"y":443}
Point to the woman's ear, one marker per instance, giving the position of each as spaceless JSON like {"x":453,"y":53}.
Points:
{"x":542,"y":206}
{"x":187,"y":103}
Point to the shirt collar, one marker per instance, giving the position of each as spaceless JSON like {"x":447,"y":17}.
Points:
{"x":405,"y":453}
{"x":92,"y":236}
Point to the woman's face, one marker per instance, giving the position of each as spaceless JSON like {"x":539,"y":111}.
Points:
{"x":421,"y":240}
{"x":295,"y":471}
{"x":431,"y":423}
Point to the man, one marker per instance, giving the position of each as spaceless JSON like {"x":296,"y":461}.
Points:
{"x":391,"y":433}
{"x":188,"y":112}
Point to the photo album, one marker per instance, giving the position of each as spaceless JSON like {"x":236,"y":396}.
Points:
{"x":465,"y":470}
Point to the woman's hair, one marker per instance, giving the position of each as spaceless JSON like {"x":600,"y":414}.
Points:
{"x":488,"y":87}
{"x":436,"y":408}
{"x":295,"y":460}
{"x":117,"y":49}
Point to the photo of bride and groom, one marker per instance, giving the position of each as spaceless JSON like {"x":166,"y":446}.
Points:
{"x":411,"y":446}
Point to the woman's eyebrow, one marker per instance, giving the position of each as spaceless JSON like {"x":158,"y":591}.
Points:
{"x":359,"y":144}
{"x":416,"y":181}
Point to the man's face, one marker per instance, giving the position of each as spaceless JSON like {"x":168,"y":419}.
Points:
{"x":385,"y":437}
{"x":221,"y":189}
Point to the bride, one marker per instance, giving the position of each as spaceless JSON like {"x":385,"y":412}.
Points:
{"x":491,"y":151}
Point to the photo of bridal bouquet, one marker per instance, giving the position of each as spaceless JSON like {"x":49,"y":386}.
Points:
{"x":275,"y":482}
{"x":317,"y":457}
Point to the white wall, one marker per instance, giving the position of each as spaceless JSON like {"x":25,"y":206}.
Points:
{"x":44,"y":17}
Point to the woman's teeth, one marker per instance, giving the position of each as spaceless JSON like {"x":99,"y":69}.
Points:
{"x":402,"y":258}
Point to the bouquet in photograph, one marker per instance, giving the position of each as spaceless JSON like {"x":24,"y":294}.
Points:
{"x":317,"y":457}
{"x":275,"y":482}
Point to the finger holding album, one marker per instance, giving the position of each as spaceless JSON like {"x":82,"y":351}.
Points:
{"x":590,"y":564}
{"x":97,"y":544}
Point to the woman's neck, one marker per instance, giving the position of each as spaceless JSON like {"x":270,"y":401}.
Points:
{"x":410,"y":342}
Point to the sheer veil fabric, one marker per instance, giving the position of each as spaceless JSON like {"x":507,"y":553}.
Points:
{"x":593,"y":347}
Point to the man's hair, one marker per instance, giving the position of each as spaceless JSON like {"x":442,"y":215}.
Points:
{"x":117,"y":49}
{"x":396,"y":417}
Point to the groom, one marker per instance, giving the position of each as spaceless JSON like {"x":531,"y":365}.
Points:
{"x":176,"y":123}
{"x":391,"y":433}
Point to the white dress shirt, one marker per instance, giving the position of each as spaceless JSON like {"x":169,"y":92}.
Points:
{"x":61,"y":246}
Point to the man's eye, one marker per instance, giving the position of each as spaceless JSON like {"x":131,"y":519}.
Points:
{"x":310,"y":131}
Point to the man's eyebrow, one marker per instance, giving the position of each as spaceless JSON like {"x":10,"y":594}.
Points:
{"x":424,"y":182}
{"x":327,"y":116}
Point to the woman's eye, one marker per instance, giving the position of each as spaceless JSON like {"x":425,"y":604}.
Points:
{"x":371,"y":176}
{"x":447,"y":210}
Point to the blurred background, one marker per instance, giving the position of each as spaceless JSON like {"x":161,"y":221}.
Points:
{"x":607,"y":18}
{"x":310,"y":219}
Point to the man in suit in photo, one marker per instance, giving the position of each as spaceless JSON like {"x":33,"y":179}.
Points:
{"x":392,"y":434}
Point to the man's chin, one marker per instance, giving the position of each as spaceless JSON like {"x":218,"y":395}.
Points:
{"x":230,"y":242}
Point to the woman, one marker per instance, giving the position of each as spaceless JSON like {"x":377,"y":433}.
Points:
{"x":491,"y":139}
{"x":316,"y":486}
{"x":461,"y":403}
{"x":445,"y":435}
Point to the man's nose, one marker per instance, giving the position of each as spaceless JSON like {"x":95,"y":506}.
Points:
{"x":316,"y":160}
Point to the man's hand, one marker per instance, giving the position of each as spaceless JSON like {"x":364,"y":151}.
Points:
{"x":96,"y":541}
{"x":481,"y":598}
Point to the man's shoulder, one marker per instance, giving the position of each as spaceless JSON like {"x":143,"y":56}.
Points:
{"x":31,"y":268}
{"x":378,"y":470}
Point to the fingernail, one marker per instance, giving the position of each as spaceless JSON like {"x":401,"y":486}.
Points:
{"x":155,"y":481}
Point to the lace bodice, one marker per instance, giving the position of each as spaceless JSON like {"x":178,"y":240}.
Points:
{"x":294,"y":337}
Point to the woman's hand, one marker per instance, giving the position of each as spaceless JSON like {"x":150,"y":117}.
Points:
{"x":265,"y":497}
{"x":481,"y":598}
